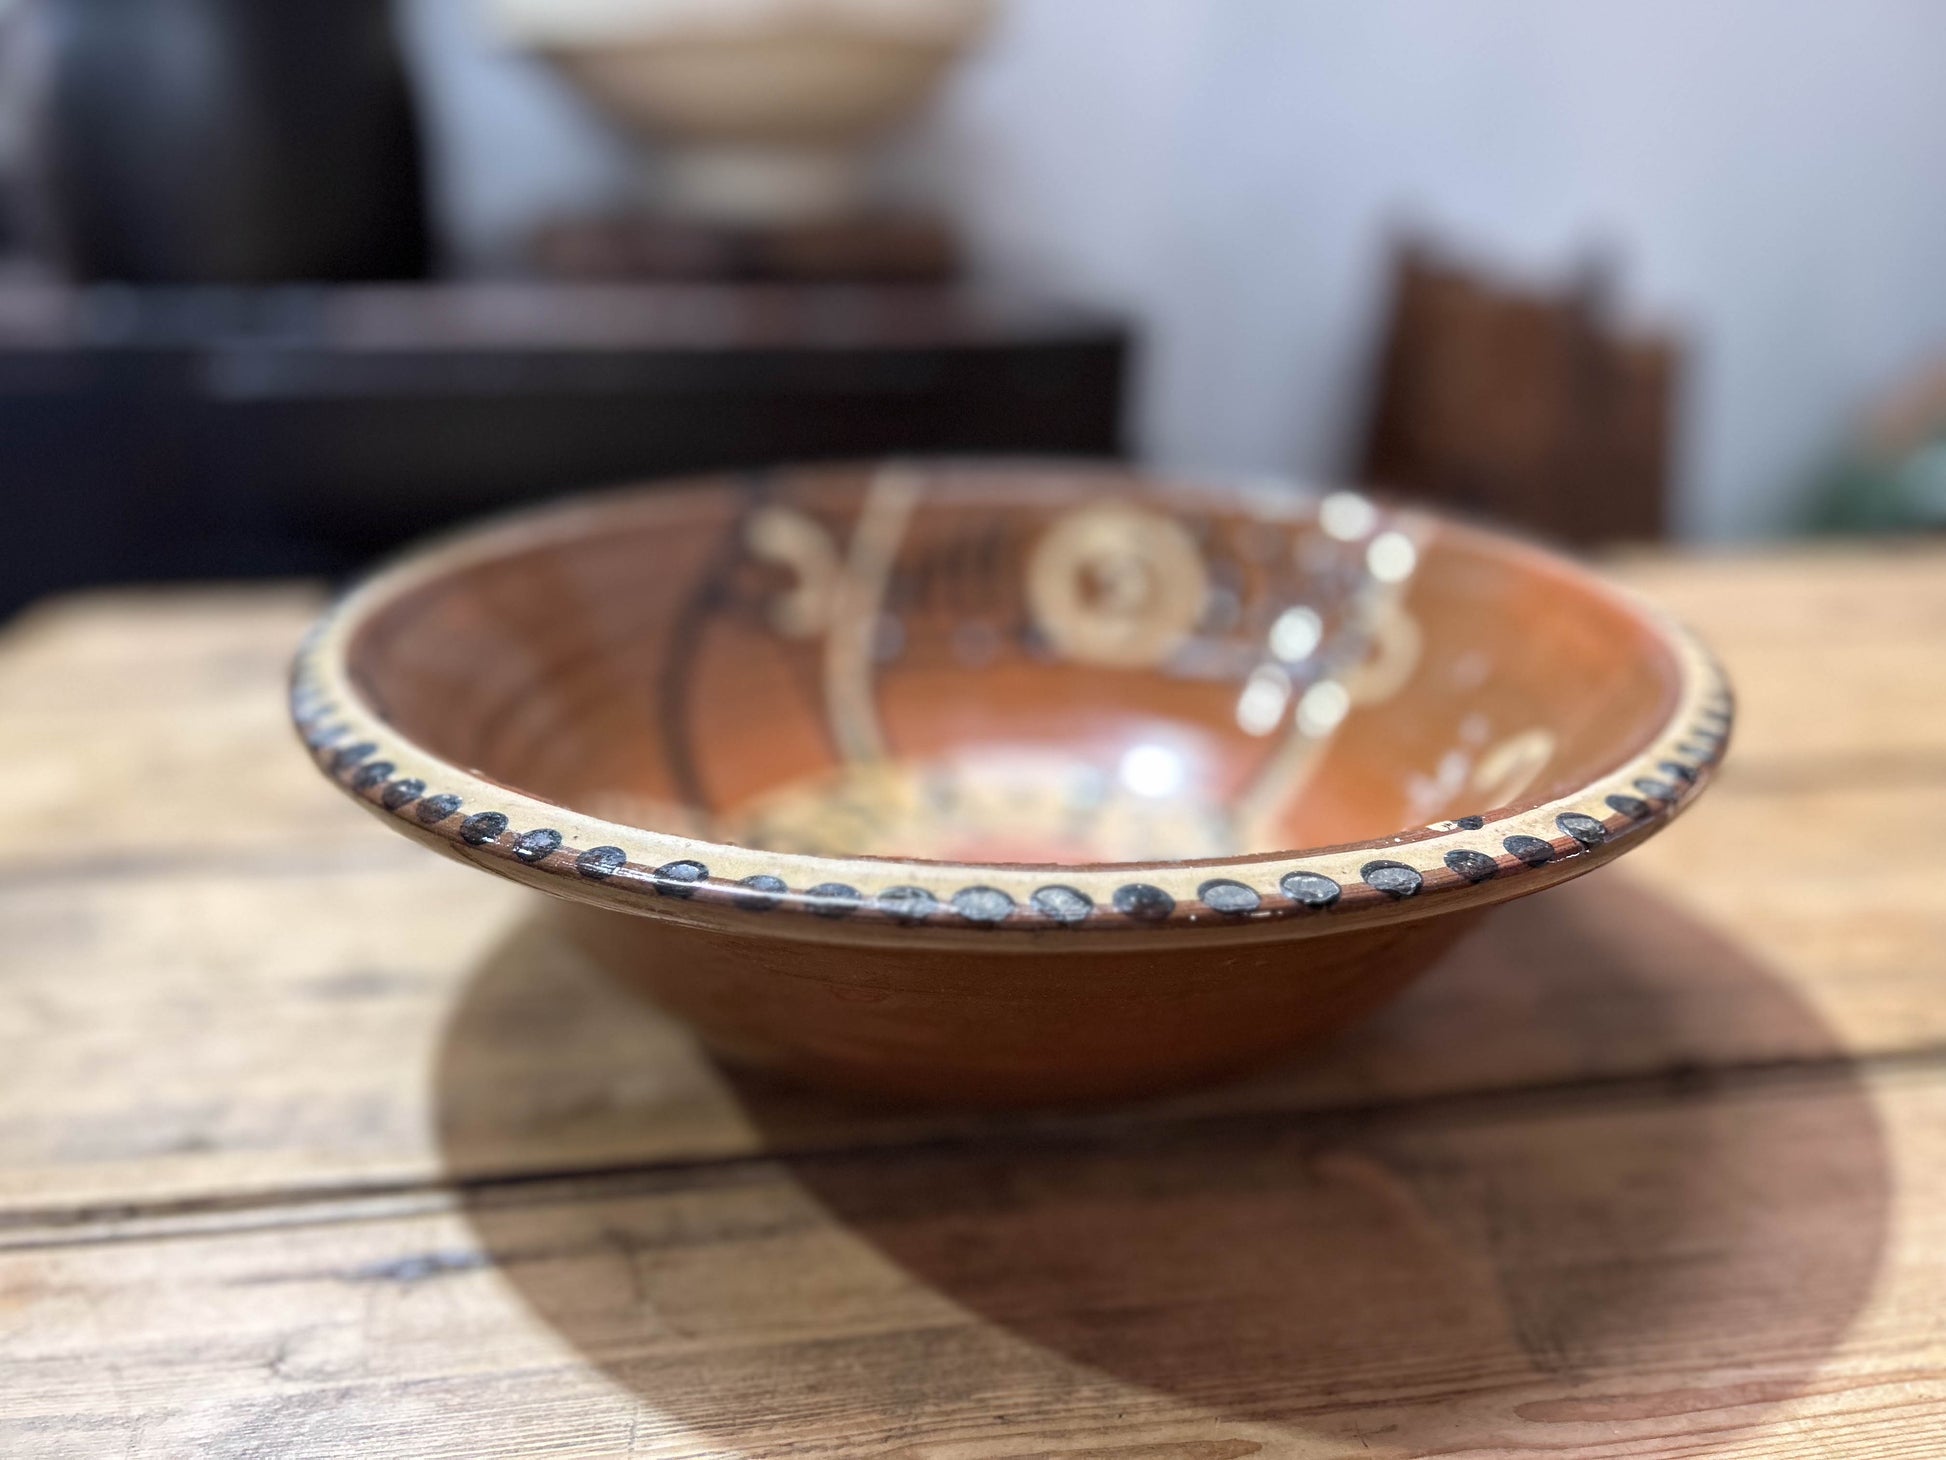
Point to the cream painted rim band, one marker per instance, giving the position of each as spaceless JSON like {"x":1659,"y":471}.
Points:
{"x":1420,"y":873}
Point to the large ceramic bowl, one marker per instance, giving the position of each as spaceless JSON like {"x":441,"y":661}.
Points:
{"x":1009,"y":783}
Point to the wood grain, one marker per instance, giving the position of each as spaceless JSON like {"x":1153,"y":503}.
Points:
{"x":311,"y":1144}
{"x":1838,"y":656}
{"x":1708,"y":1273}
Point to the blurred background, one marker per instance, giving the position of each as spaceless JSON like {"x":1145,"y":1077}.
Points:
{"x":285,"y":285}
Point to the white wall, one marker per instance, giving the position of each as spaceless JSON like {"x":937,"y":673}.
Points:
{"x":1773,"y":173}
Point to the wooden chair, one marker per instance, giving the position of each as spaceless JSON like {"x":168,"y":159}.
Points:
{"x":1530,"y":408}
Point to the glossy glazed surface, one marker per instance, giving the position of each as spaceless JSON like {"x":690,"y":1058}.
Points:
{"x":1031,"y":669}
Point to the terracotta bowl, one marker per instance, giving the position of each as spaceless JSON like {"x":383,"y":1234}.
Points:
{"x":1009,"y":783}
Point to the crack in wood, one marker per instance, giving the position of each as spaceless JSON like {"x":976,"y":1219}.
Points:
{"x":199,"y":1215}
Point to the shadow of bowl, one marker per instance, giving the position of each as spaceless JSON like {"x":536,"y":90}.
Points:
{"x":1511,"y":1212}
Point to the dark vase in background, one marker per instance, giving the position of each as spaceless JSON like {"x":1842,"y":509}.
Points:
{"x":230,"y":141}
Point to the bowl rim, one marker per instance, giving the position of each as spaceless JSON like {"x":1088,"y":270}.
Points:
{"x":1475,"y":860}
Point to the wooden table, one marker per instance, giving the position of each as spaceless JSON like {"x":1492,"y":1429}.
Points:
{"x":312,"y":1144}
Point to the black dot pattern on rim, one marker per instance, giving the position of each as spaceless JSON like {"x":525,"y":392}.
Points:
{"x":1584,"y":829}
{"x":764,"y":892}
{"x":1530,"y":849}
{"x":1312,"y":889}
{"x":600,"y":863}
{"x":983,"y":904}
{"x":834,"y":899}
{"x":1394,"y":879}
{"x":1473,"y":866}
{"x":1231,"y":898}
{"x":1063,"y":904}
{"x":371,"y":774}
{"x":352,"y":754}
{"x":679,"y":878}
{"x":403,"y":793}
{"x":1145,"y":903}
{"x":537,"y":845}
{"x":907,"y":904}
{"x":482,"y":827}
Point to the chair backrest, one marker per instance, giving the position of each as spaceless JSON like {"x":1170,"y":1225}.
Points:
{"x":1527,"y":407}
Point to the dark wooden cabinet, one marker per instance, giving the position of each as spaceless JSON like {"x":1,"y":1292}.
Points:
{"x":222,"y":433}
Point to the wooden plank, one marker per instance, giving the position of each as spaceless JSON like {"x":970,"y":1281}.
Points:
{"x":145,"y":729}
{"x":210,"y":1035}
{"x":1838,"y":653}
{"x":1750,"y":1270}
{"x":1884,"y":591}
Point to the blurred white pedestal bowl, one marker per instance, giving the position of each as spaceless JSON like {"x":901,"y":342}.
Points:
{"x":764,"y":111}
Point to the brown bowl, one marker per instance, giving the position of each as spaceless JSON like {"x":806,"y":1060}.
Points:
{"x":1009,"y":783}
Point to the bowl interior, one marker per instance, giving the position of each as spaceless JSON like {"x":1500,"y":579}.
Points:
{"x":1047,"y":665}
